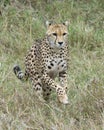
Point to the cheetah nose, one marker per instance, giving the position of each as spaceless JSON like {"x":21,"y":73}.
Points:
{"x":60,"y":43}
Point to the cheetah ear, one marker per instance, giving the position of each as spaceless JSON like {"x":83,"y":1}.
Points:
{"x":48,"y":24}
{"x":66,"y":23}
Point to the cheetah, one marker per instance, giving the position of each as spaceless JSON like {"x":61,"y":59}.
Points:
{"x":46,"y":60}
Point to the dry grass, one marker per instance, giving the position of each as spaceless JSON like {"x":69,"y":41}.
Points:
{"x":20,"y":24}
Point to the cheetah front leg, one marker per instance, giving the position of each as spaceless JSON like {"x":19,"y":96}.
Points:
{"x":62,"y":96}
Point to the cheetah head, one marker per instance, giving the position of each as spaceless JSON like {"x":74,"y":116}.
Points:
{"x":57,"y":34}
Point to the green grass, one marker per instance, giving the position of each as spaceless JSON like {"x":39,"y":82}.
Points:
{"x":23,"y":22}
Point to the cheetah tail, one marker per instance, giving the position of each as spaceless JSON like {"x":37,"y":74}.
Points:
{"x":20,"y":75}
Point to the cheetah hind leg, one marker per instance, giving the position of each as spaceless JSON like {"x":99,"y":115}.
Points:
{"x":37,"y":87}
{"x":46,"y":93}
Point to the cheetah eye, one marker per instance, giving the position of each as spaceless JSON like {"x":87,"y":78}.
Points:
{"x":55,"y":34}
{"x":64,"y":34}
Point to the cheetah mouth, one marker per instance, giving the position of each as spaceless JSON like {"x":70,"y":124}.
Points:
{"x":59,"y":45}
{"x":56,"y":45}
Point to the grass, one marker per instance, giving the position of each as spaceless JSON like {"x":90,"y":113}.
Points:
{"x":22,"y":22}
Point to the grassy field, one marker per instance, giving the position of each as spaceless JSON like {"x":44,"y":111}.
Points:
{"x":22,"y":22}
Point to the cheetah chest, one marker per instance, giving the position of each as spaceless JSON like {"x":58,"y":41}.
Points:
{"x":55,"y":65}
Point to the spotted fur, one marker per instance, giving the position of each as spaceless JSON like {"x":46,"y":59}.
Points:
{"x":46,"y":60}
